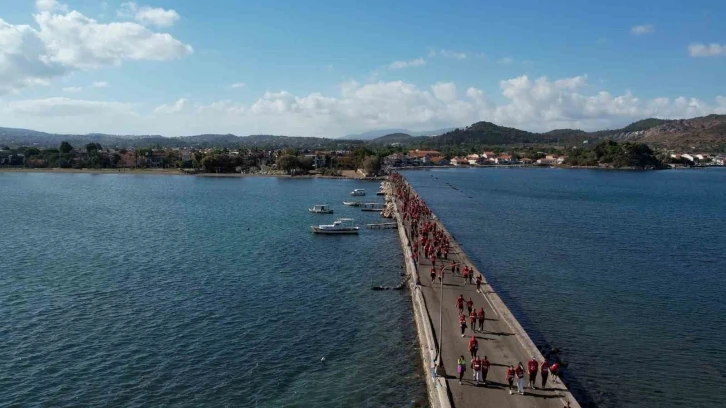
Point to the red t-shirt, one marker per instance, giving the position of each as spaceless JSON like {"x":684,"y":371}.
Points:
{"x":469,"y":303}
{"x":510,"y":373}
{"x":473,"y":343}
{"x":459,"y":302}
{"x":554,"y":367}
{"x":545,"y":367}
{"x":519,"y":372}
{"x":485,"y":365}
{"x":532,"y":366}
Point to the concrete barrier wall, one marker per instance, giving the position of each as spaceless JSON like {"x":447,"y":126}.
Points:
{"x":437,"y":388}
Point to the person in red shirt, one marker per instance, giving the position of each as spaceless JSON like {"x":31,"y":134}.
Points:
{"x":510,"y":378}
{"x":481,"y":316}
{"x":532,"y":367}
{"x":484,"y":369}
{"x":469,"y":305}
{"x":478,"y":282}
{"x":473,"y":346}
{"x":433,"y":275}
{"x":519,"y":372}
{"x":544,"y":370}
{"x":462,"y":323}
{"x":472,"y":321}
{"x":476,"y":369}
{"x":460,"y":303}
{"x":555,"y":371}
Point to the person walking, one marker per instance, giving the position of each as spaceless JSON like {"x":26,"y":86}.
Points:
{"x":481,"y":316}
{"x":544,"y":370}
{"x":532,"y":367}
{"x":555,"y":371}
{"x":433,"y":275}
{"x":476,"y":369}
{"x":471,"y":276}
{"x":469,"y":305}
{"x":484,"y":369}
{"x":472,"y":321}
{"x":461,"y":367}
{"x":478,"y":282}
{"x":462,"y":324}
{"x":460,"y":304}
{"x":473,"y":346}
{"x":510,"y":378}
{"x":519,"y":372}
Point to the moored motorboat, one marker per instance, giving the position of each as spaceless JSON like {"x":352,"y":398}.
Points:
{"x":320,"y":209}
{"x":358,"y":192}
{"x":340,"y":226}
{"x":353,"y":203}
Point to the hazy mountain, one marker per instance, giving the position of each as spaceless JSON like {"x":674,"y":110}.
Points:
{"x":373,"y":134}
{"x":399,"y":138}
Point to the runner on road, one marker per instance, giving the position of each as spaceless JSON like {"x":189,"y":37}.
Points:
{"x":478,"y":282}
{"x":484,"y":369}
{"x":462,"y":324}
{"x":510,"y":378}
{"x":544,"y":372}
{"x":555,"y":371}
{"x":532,"y":367}
{"x":472,"y":320}
{"x":460,"y":304}
{"x":476,"y":369}
{"x":519,"y":371}
{"x":473,"y":346}
{"x":461,"y":367}
{"x":481,"y":316}
{"x":469,"y":305}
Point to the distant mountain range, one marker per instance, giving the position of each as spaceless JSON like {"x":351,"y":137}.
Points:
{"x":374,"y":134}
{"x":706,"y":133}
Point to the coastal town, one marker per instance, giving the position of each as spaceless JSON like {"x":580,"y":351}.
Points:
{"x":314,"y":162}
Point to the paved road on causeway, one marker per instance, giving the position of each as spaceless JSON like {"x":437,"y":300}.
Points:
{"x":497,"y":342}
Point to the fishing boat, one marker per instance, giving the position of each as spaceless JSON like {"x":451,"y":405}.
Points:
{"x":372,"y":207}
{"x":358,"y":192}
{"x":353,"y":203}
{"x":320,"y":209}
{"x":340,"y":226}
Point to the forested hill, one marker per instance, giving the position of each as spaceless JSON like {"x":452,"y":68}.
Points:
{"x":706,"y":133}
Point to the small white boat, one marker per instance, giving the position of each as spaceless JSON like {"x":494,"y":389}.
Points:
{"x":320,"y":209}
{"x":372,"y":207}
{"x":353,"y":203}
{"x":358,"y":192}
{"x":340,"y":226}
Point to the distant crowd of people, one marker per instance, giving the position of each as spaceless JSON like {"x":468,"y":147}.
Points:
{"x":427,"y":239}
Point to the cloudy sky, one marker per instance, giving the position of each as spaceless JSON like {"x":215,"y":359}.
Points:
{"x":329,"y":68}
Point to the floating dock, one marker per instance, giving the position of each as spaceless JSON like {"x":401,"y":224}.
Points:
{"x":383,"y":225}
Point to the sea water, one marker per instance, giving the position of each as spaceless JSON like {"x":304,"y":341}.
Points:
{"x":131,"y":290}
{"x":624,"y":271}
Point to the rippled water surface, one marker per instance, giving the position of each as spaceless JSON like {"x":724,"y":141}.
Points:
{"x":624,"y":271}
{"x":122,"y":290}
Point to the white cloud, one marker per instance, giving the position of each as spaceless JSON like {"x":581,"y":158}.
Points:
{"x":50,"y":5}
{"x":406,"y":64}
{"x":642,"y":29}
{"x":72,"y":89}
{"x":63,"y":43}
{"x":180,"y":105}
{"x":448,"y":54}
{"x":505,"y":61}
{"x":238,"y":85}
{"x":148,"y":15}
{"x":704,"y":50}
{"x":537,"y":104}
{"x":65,"y":107}
{"x":100,"y":84}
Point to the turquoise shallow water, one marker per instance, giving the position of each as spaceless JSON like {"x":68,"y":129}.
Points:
{"x":624,"y":271}
{"x":124,"y":290}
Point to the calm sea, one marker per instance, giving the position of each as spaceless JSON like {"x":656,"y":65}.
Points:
{"x":124,"y":290}
{"x":625,"y":272}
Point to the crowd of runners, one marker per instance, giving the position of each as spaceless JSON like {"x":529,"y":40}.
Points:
{"x":429,"y":241}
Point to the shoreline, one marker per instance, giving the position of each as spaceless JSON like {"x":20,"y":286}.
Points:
{"x":176,"y":172}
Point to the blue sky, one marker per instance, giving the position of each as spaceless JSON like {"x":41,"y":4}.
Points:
{"x":327,"y":68}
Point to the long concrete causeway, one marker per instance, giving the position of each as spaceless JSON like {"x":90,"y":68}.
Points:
{"x":503,"y":340}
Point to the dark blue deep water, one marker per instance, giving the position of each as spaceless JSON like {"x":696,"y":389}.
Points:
{"x":623,"y":271}
{"x":124,"y":290}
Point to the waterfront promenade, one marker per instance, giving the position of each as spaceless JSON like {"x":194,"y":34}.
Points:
{"x":503,"y":340}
